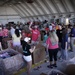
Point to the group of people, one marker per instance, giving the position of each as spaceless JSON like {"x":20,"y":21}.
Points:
{"x":55,"y":38}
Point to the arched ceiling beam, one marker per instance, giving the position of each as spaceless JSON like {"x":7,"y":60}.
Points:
{"x":43,"y":7}
{"x":69,"y":6}
{"x":26,"y":14}
{"x":35,"y":6}
{"x":31,"y":8}
{"x":25,"y":9}
{"x":17,"y":10}
{"x":60,"y":6}
{"x":55,"y":5}
{"x":20,"y":11}
{"x":5,"y":2}
{"x":20,"y":8}
{"x":50,"y":6}
{"x":73,"y":4}
{"x":65,"y":5}
{"x":45,"y":2}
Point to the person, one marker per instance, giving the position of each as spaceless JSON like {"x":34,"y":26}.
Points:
{"x":52,"y":47}
{"x":1,"y":37}
{"x":12,"y":31}
{"x":45,"y":37}
{"x":72,"y":38}
{"x":16,"y":39}
{"x":5,"y":32}
{"x":35,"y":34}
{"x":64,"y":44}
{"x":27,"y":50}
{"x":59,"y":34}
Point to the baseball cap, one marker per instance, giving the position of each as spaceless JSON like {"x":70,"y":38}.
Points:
{"x":27,"y":39}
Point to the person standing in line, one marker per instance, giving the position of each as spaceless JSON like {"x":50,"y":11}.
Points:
{"x":59,"y":34}
{"x":45,"y":37}
{"x":52,"y":47}
{"x":64,"y":44}
{"x":72,"y":38}
{"x":27,"y":50}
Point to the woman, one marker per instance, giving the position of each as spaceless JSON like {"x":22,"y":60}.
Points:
{"x":52,"y":47}
{"x":5,"y":32}
{"x":16,"y":38}
{"x":27,"y":53}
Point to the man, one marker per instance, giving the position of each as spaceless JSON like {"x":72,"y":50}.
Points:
{"x":35,"y":34}
{"x":72,"y":38}
{"x":12,"y":30}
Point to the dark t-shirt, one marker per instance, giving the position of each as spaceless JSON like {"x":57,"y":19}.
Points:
{"x":59,"y":34}
{"x":64,"y":40}
{"x":26,"y":48}
{"x":72,"y":32}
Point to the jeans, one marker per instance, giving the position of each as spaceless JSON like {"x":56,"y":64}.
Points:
{"x":64,"y":54}
{"x":72,"y":39}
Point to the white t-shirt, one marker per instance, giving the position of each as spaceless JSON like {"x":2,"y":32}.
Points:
{"x":12,"y":31}
{"x":16,"y":40}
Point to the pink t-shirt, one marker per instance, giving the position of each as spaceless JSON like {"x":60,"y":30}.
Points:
{"x":1,"y":33}
{"x":5,"y":32}
{"x":35,"y":34}
{"x":51,"y":46}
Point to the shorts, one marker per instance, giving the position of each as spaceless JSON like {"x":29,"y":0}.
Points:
{"x":35,"y":42}
{"x":16,"y":44}
{"x":27,"y":58}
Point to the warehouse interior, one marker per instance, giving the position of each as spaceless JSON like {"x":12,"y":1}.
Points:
{"x":23,"y":14}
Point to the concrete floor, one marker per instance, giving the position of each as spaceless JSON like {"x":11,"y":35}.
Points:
{"x":44,"y":68}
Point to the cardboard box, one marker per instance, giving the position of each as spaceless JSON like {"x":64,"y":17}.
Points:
{"x":13,"y":63}
{"x":53,"y":72}
{"x":68,"y":67}
{"x":5,"y":43}
{"x":70,"y":70}
{"x":39,"y":54}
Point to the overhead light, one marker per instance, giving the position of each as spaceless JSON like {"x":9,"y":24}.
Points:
{"x":67,"y":21}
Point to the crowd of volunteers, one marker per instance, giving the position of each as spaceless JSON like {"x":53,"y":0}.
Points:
{"x":54,"y":37}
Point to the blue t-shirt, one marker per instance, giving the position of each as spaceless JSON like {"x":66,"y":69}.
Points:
{"x":45,"y":38}
{"x":73,"y":32}
{"x":64,"y":40}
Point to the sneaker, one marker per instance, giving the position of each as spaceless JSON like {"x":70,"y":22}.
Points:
{"x":50,"y":66}
{"x":54,"y":65}
{"x":70,"y":50}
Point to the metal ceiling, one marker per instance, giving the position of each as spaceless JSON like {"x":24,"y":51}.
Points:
{"x":41,"y":7}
